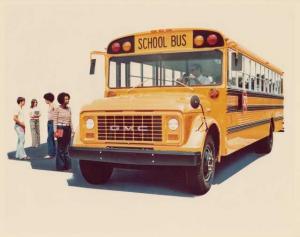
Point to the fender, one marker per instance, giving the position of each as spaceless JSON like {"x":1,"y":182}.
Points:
{"x":76,"y":139}
{"x":199,"y":132}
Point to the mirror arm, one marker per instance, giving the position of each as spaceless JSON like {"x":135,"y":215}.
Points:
{"x":97,"y":53}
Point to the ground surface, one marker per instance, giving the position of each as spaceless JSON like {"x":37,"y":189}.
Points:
{"x":251,"y":196}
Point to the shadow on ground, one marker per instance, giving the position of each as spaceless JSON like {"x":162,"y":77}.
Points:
{"x":167,"y":181}
{"x":162,"y":181}
{"x":235,"y":162}
{"x":37,"y":158}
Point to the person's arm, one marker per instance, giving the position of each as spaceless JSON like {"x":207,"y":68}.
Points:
{"x":31,"y":115}
{"x":17,"y":121}
{"x":71,"y":123}
{"x":55,"y":119}
{"x":39,"y":114}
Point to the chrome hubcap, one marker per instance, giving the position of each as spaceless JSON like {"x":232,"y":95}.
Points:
{"x":208,"y":166}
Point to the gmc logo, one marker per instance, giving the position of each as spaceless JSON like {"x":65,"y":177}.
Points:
{"x":128,"y":128}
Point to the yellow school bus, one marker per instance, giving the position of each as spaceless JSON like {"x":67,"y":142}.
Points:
{"x":178,"y":97}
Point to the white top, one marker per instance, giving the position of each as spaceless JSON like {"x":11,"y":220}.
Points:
{"x":34,"y":112}
{"x":51,"y":110}
{"x":203,"y":80}
{"x":19,"y":112}
{"x":200,"y":80}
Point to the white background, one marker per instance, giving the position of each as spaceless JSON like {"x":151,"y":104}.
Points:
{"x":45,"y":47}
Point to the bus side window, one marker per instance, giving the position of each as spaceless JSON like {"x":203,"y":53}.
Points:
{"x":247,"y":72}
{"x":273,"y":83}
{"x":267,"y":78}
{"x":263,"y":80}
{"x":260,"y":75}
{"x":232,"y":75}
{"x":252,"y":74}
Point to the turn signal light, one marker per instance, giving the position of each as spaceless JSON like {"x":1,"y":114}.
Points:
{"x":126,"y":46}
{"x":172,"y":137}
{"x":89,"y":135}
{"x":111,"y":94}
{"x":198,"y":40}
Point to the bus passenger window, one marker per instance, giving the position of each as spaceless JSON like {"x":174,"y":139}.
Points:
{"x":240,"y":82}
{"x":260,"y":74}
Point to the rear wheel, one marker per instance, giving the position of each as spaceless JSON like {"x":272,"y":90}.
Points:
{"x":266,"y":144}
{"x":95,"y":172}
{"x":200,"y":178}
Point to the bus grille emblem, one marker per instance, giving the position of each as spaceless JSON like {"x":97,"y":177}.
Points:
{"x":128,"y":128}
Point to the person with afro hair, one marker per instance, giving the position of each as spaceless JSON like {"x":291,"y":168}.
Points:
{"x":63,"y":131}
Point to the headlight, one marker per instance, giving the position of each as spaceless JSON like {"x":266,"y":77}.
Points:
{"x":89,"y":123}
{"x":173,"y":124}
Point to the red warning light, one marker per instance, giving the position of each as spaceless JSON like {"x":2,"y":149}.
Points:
{"x":212,"y":39}
{"x":116,"y":47}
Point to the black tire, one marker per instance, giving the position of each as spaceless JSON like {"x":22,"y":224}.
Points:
{"x":95,"y":172}
{"x":200,"y":178}
{"x":265,"y":145}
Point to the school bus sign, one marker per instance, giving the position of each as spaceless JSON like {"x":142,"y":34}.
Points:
{"x":156,"y":42}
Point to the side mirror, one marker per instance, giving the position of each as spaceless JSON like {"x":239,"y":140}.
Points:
{"x":195,"y":101}
{"x":236,"y":62}
{"x":92,"y":67}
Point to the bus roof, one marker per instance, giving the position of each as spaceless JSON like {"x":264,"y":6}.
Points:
{"x":227,"y":43}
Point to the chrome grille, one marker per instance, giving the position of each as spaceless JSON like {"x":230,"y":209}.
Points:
{"x":147,"y":128}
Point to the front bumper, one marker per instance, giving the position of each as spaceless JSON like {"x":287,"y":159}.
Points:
{"x":143,"y":157}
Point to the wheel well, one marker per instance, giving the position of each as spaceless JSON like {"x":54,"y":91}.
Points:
{"x":214,"y":132}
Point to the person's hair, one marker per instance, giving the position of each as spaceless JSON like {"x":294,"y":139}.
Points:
{"x":49,"y":96}
{"x":61,"y":97}
{"x":20,"y":99}
{"x":32,"y":103}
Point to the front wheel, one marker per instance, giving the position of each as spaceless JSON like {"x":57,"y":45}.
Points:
{"x":95,"y":172}
{"x":200,"y":177}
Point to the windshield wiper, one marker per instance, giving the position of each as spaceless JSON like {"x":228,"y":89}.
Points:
{"x":138,"y":85}
{"x":176,"y":81}
{"x":183,"y":84}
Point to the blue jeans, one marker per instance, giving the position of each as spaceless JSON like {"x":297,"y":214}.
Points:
{"x":20,"y":152}
{"x":50,"y":139}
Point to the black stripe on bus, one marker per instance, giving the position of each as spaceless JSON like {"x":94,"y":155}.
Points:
{"x":247,"y":125}
{"x":251,"y":124}
{"x":231,"y":91}
{"x":236,"y":108}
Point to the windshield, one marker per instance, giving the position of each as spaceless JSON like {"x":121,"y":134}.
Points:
{"x":175,"y":69}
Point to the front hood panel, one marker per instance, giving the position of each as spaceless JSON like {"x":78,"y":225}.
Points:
{"x":164,"y":102}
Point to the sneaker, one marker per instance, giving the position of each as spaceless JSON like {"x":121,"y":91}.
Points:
{"x":25,"y":158}
{"x":48,"y":157}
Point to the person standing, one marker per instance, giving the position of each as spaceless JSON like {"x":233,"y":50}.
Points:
{"x":49,"y":98}
{"x":63,"y":131}
{"x":35,"y":123}
{"x":20,"y":129}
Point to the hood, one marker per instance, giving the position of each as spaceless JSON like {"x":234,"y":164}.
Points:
{"x":164,"y":102}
